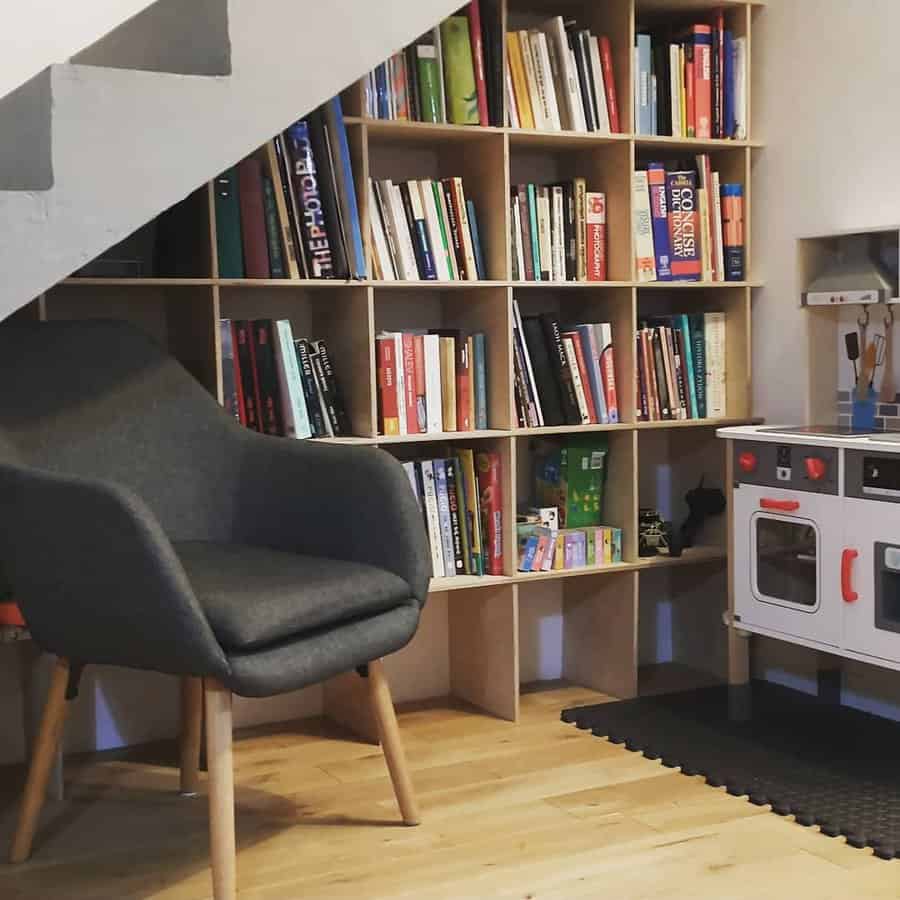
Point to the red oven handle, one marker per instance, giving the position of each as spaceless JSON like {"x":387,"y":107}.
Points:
{"x":780,"y":505}
{"x":847,"y":591}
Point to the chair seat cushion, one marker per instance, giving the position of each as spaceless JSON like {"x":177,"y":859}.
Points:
{"x":255,"y":596}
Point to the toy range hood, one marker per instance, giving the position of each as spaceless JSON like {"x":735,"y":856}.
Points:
{"x":852,"y":275}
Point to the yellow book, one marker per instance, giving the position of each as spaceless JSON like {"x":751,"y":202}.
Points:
{"x":520,"y":84}
{"x":559,"y":555}
{"x":703,"y":204}
{"x":448,"y":383}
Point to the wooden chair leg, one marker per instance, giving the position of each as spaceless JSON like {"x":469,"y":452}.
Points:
{"x":383,"y":708}
{"x":220,"y":764}
{"x":42,"y":759}
{"x":191,"y":734}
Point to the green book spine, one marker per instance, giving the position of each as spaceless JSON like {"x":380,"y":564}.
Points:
{"x":228,"y":225}
{"x":535,"y":245}
{"x":459,"y":73}
{"x":273,"y":236}
{"x":442,"y":225}
{"x":429,"y":89}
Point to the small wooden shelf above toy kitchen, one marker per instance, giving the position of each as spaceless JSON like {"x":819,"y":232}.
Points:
{"x":850,"y":282}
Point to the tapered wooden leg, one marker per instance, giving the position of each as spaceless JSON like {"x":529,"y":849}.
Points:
{"x":191,"y":734}
{"x":220,"y":764}
{"x":42,"y":757}
{"x":383,"y":708}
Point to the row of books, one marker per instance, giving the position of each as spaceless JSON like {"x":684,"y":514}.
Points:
{"x":290,"y":210}
{"x":558,"y":232}
{"x":431,"y":382}
{"x":542,"y":549}
{"x":424,"y":230}
{"x":559,"y":77}
{"x":564,"y":375}
{"x":461,"y":498}
{"x":277,"y":385}
{"x":692,"y":83}
{"x":687,"y":225}
{"x":453,"y":73}
{"x":681,"y":367}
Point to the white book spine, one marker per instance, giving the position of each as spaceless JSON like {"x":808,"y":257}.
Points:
{"x":296,"y":418}
{"x":578,"y":102}
{"x":434,"y":417}
{"x":380,"y":237}
{"x":717,"y":226}
{"x":465,"y":232}
{"x":410,"y":469}
{"x":529,"y":370}
{"x":401,"y":230}
{"x":740,"y":88}
{"x":573,"y":117}
{"x":383,"y":201}
{"x":548,"y":96}
{"x":558,"y":234}
{"x":531,"y":79}
{"x":577,"y":383}
{"x":400,"y":381}
{"x":543,"y":217}
{"x":675,"y":76}
{"x":433,"y":226}
{"x":642,"y":226}
{"x":433,"y":519}
{"x":714,"y":337}
{"x":557,"y":78}
{"x":599,"y":87}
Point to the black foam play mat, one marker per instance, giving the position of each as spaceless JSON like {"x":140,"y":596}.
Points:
{"x":825,"y":764}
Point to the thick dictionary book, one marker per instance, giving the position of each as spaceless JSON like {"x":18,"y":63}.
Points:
{"x":684,"y":226}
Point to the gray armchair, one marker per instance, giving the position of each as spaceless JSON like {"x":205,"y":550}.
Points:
{"x":144,"y":527}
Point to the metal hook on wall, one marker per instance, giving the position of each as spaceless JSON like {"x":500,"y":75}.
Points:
{"x":889,"y":318}
{"x":863,"y":320}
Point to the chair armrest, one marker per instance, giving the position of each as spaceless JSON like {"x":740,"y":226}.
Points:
{"x":97,"y":579}
{"x":350,"y":503}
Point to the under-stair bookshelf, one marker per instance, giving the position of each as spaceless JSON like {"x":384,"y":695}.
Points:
{"x":651,"y":464}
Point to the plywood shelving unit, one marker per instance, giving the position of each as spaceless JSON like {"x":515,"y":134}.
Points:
{"x":600,"y":605}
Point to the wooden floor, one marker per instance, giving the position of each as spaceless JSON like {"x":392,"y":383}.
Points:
{"x":538,"y":811}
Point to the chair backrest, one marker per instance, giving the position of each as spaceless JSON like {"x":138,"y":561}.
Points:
{"x":101,"y":399}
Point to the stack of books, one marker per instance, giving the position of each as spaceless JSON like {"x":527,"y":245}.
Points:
{"x":431,"y":382}
{"x":559,"y":77}
{"x":424,"y":230}
{"x":687,"y":225}
{"x":451,"y":74}
{"x":564,"y":375}
{"x":461,"y":498}
{"x":692,"y":83}
{"x":681,"y":370}
{"x":290,"y":210}
{"x":558,"y":232}
{"x":277,"y":385}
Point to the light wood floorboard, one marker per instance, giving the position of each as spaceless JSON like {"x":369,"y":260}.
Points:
{"x":537,"y":810}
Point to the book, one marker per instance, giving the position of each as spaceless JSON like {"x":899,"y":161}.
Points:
{"x":436,"y":240}
{"x":332,"y":396}
{"x":472,"y":496}
{"x":684,"y":225}
{"x":607,"y":357}
{"x":284,"y":213}
{"x":478,"y":44}
{"x":433,"y":388}
{"x":314,"y":410}
{"x":231,"y":398}
{"x":388,"y":400}
{"x":545,"y":381}
{"x":429,"y":80}
{"x":459,"y":71}
{"x":732,"y":202}
{"x":415,"y":220}
{"x":703,"y":94}
{"x":267,"y":377}
{"x":531,"y":82}
{"x":609,"y":84}
{"x":490,"y":494}
{"x":642,"y":228}
{"x":290,"y":386}
{"x":273,"y":230}
{"x":714,"y":335}
{"x":521,"y":93}
{"x":447,"y":349}
{"x":595,"y":238}
{"x":659,"y":214}
{"x":253,"y":218}
{"x":229,"y":249}
{"x":643,"y":118}
{"x":479,"y":369}
{"x":433,"y":518}
{"x":454,"y":510}
{"x":444,"y":523}
{"x":243,"y":340}
{"x":476,"y":240}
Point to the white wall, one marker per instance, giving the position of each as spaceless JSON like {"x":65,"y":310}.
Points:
{"x":825,"y":79}
{"x":48,"y":31}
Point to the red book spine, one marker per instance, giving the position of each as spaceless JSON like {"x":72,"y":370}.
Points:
{"x":257,"y":401}
{"x":238,"y":383}
{"x":478,"y":61}
{"x":690,"y":111}
{"x":253,"y":218}
{"x":720,"y":71}
{"x":490,"y":495}
{"x":463,"y":388}
{"x":583,"y":372}
{"x":419,"y":356}
{"x":387,"y":387}
{"x":609,"y":84}
{"x":608,"y":374}
{"x":595,"y":216}
{"x":409,"y":384}
{"x":249,"y":389}
{"x":703,"y":80}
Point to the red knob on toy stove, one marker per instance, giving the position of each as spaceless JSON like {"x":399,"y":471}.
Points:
{"x":747,"y":461}
{"x":815,"y":468}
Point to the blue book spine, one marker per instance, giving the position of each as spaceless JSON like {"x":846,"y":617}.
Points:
{"x":443,"y":505}
{"x":415,"y":219}
{"x":684,"y":226}
{"x":381,"y":88}
{"x":645,"y":88}
{"x":479,"y":351}
{"x":730,"y":125}
{"x":528,"y":554}
{"x":476,"y":240}
{"x":348,"y":191}
{"x":535,"y":243}
{"x":659,"y":215}
{"x":430,"y":272}
{"x":689,"y":372}
{"x":595,"y":379}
